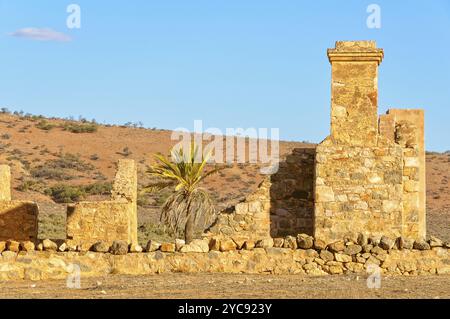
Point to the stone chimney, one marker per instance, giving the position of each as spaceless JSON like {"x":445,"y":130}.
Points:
{"x":354,"y":97}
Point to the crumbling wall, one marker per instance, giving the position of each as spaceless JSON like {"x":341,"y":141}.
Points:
{"x":92,"y":222}
{"x":249,"y":220}
{"x":18,"y":219}
{"x":406,"y":128}
{"x":292,"y":195}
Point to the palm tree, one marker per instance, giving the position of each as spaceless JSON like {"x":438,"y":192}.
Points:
{"x":190,"y":204}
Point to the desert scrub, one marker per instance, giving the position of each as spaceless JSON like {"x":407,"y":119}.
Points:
{"x":80,"y":127}
{"x":31,"y":185}
{"x":45,"y":126}
{"x":70,"y":161}
{"x":43,"y":172}
{"x":63,"y":193}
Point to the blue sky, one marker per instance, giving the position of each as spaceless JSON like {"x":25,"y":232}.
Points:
{"x":230,"y":63}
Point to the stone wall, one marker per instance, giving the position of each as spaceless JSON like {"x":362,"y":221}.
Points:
{"x":369,"y":171}
{"x":92,"y":222}
{"x":18,"y":219}
{"x":339,"y":258}
{"x":292,"y":195}
{"x":247,"y":220}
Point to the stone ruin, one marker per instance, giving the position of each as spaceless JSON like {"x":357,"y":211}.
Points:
{"x":87,"y":222}
{"x":367,"y":177}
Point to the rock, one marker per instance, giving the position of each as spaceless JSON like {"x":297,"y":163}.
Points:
{"x":13,"y":246}
{"x":40,"y":247}
{"x":152,"y":246}
{"x":336,"y":247}
{"x":305,"y":241}
{"x":100,"y":247}
{"x":336,"y":270}
{"x":135,"y":248}
{"x":227,"y":245}
{"x":367,"y":248}
{"x":354,"y":267}
{"x":319,"y":244}
{"x":2,"y":246}
{"x":387,"y":243}
{"x":342,"y":258}
{"x":27,"y":246}
{"x":179,"y":243}
{"x":278,"y":242}
{"x":196,"y":246}
{"x":265,"y":243}
{"x":374,"y":240}
{"x":167,"y":247}
{"x":62,"y":248}
{"x":362,"y":239}
{"x":214,"y":244}
{"x":49,"y":245}
{"x":447,"y":244}
{"x":405,"y":243}
{"x":421,"y":245}
{"x":372,"y":261}
{"x":84,"y":247}
{"x":378,"y":250}
{"x":435,"y":242}
{"x":326,"y":255}
{"x":71,"y":247}
{"x":119,"y":247}
{"x":290,"y":242}
{"x":249,"y":245}
{"x":352,"y":250}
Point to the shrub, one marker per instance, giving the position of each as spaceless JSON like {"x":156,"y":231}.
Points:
{"x":44,"y":125}
{"x":65,"y":193}
{"x":6,"y":136}
{"x":98,"y":189}
{"x":80,"y":127}
{"x":50,"y":173}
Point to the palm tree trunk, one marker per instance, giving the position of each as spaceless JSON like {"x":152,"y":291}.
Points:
{"x":189,"y":227}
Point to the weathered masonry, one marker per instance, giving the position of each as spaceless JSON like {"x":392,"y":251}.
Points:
{"x":367,"y":176}
{"x":370,"y":171}
{"x":107,"y":221}
{"x":18,"y":219}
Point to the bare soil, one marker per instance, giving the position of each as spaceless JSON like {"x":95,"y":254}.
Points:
{"x":229,"y":286}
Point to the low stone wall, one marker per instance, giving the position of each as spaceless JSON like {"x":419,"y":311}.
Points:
{"x":51,"y":265}
{"x":291,"y":255}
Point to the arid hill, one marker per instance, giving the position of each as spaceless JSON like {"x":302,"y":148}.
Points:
{"x":56,"y":161}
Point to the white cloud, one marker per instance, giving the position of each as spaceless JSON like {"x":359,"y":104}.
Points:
{"x":41,"y":34}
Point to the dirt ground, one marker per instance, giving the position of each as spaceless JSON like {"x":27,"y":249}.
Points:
{"x":224,"y":286}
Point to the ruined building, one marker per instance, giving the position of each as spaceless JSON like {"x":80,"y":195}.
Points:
{"x":367,"y":176}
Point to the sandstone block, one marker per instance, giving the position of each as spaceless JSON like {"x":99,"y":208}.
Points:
{"x":2,"y":246}
{"x":13,"y":246}
{"x":305,"y":241}
{"x":337,"y":246}
{"x":135,"y":248}
{"x":387,"y":243}
{"x":119,"y":247}
{"x":319,"y":244}
{"x":227,"y":245}
{"x":152,"y":246}
{"x":421,"y":245}
{"x":326,"y":255}
{"x":168,"y":247}
{"x":214,"y":244}
{"x":290,"y":242}
{"x":265,"y":243}
{"x":63,"y":247}
{"x":352,"y":250}
{"x":278,"y":242}
{"x":324,"y":194}
{"x":405,"y":243}
{"x":179,"y":243}
{"x":27,"y":246}
{"x":342,"y":258}
{"x":49,"y":245}
{"x":196,"y":246}
{"x":100,"y":247}
{"x":435,"y":242}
